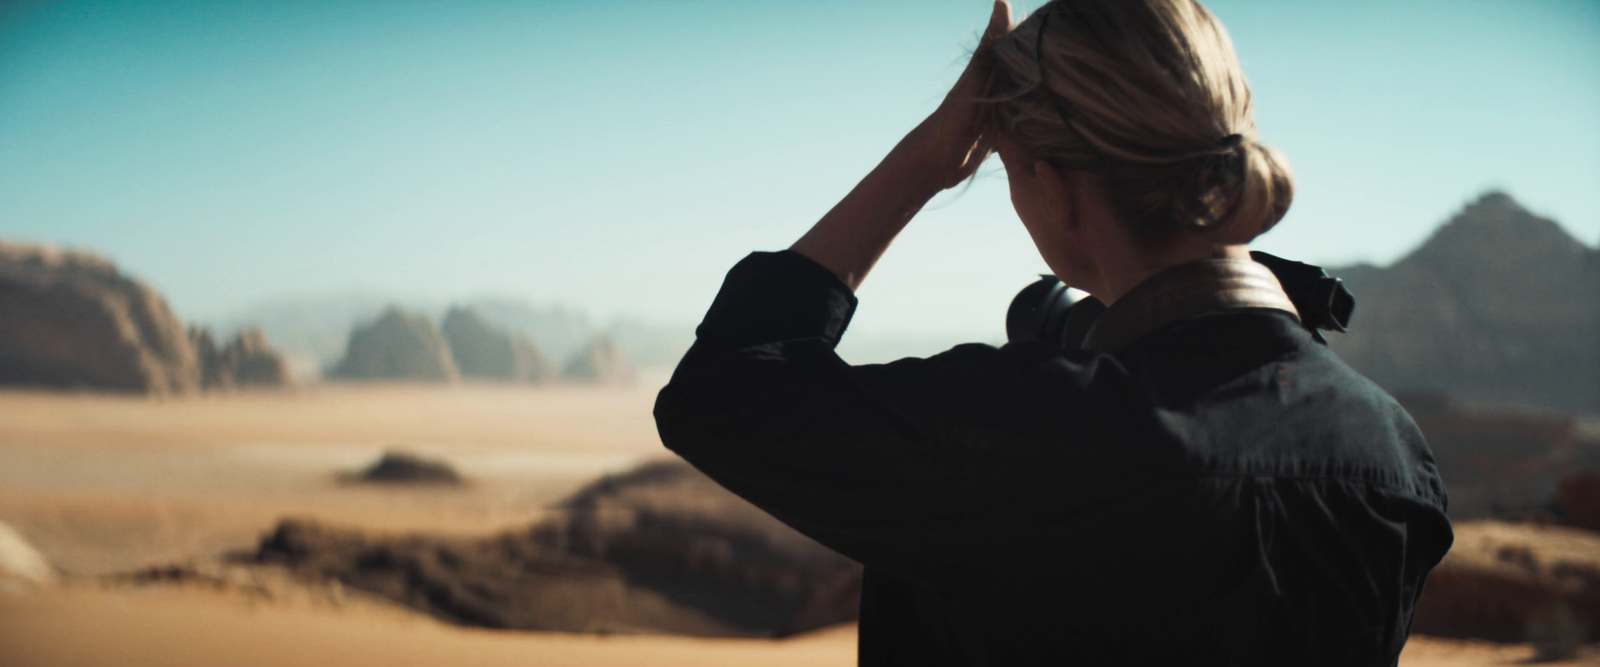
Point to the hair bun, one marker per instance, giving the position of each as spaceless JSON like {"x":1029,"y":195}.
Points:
{"x":1245,"y":194}
{"x":1148,"y":93}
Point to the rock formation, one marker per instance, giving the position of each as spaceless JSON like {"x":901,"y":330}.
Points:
{"x":656,"y":345}
{"x":670,"y":527}
{"x":602,"y":362}
{"x":661,"y":549}
{"x":1579,"y":497}
{"x":246,"y":361}
{"x":1513,"y":583}
{"x":560,"y":331}
{"x":313,"y":333}
{"x":1500,"y":464}
{"x":71,"y":320}
{"x":484,"y":352}
{"x":20,"y":563}
{"x":399,"y":467}
{"x":398,"y":346}
{"x":1498,"y":306}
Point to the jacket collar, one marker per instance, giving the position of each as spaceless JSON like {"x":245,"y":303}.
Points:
{"x":1183,"y":292}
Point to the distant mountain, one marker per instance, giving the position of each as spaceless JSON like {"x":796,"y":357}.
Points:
{"x":600,"y":363}
{"x":483,"y":351}
{"x":398,"y":346}
{"x":1499,"y":306}
{"x":313,"y":332}
{"x":649,"y":344}
{"x":559,"y":331}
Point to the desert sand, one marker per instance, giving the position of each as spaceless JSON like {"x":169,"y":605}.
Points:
{"x":107,"y":485}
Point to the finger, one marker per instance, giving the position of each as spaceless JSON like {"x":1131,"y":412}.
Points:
{"x":974,"y":79}
{"x":999,"y":26}
{"x":999,"y":23}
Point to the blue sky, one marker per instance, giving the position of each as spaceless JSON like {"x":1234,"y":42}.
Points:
{"x":621,"y":156}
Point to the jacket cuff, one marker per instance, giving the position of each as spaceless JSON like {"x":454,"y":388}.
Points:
{"x":775,"y":296}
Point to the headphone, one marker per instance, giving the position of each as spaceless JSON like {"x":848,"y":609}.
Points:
{"x":1050,"y":311}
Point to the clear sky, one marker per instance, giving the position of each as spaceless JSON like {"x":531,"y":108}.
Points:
{"x":620,"y":156}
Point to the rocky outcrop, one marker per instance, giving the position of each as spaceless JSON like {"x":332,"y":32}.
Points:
{"x":560,"y":331}
{"x":1515,"y":582}
{"x":484,"y":352}
{"x":20,"y":563}
{"x":71,"y":320}
{"x":398,"y":346}
{"x":1578,"y":494}
{"x":246,"y":361}
{"x":673,"y":528}
{"x":400,"y":467}
{"x":1500,"y":464}
{"x":1498,"y":306}
{"x":656,"y":345}
{"x":602,"y":363}
{"x":661,"y":549}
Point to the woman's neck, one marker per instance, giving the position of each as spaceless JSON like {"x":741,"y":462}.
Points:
{"x":1122,"y":280}
{"x":1115,"y":263}
{"x":1094,"y":249}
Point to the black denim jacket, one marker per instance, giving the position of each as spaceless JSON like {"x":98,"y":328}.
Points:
{"x":1223,"y":490}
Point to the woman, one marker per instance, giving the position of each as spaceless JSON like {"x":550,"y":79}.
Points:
{"x":1203,"y":483}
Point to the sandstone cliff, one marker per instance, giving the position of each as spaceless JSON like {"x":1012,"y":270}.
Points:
{"x":398,"y":346}
{"x":246,"y":361}
{"x":602,"y":362}
{"x":69,"y":319}
{"x":484,"y":352}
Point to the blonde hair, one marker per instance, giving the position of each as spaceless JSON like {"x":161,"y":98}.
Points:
{"x":1147,"y":93}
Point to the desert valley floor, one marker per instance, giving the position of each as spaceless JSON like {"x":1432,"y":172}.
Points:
{"x":105,"y":486}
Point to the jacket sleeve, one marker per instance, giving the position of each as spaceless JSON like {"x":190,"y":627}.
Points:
{"x":895,"y":465}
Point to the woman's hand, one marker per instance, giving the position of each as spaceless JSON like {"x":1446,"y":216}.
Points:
{"x":952,"y":139}
{"x":940,"y":152}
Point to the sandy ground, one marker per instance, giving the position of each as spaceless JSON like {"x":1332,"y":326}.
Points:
{"x":168,"y":628}
{"x":173,"y":628}
{"x":105,"y":484}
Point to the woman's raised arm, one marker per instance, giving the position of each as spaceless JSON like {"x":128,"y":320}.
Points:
{"x":940,"y":152}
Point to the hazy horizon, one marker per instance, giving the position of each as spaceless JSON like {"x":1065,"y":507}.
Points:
{"x":618,"y":158}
